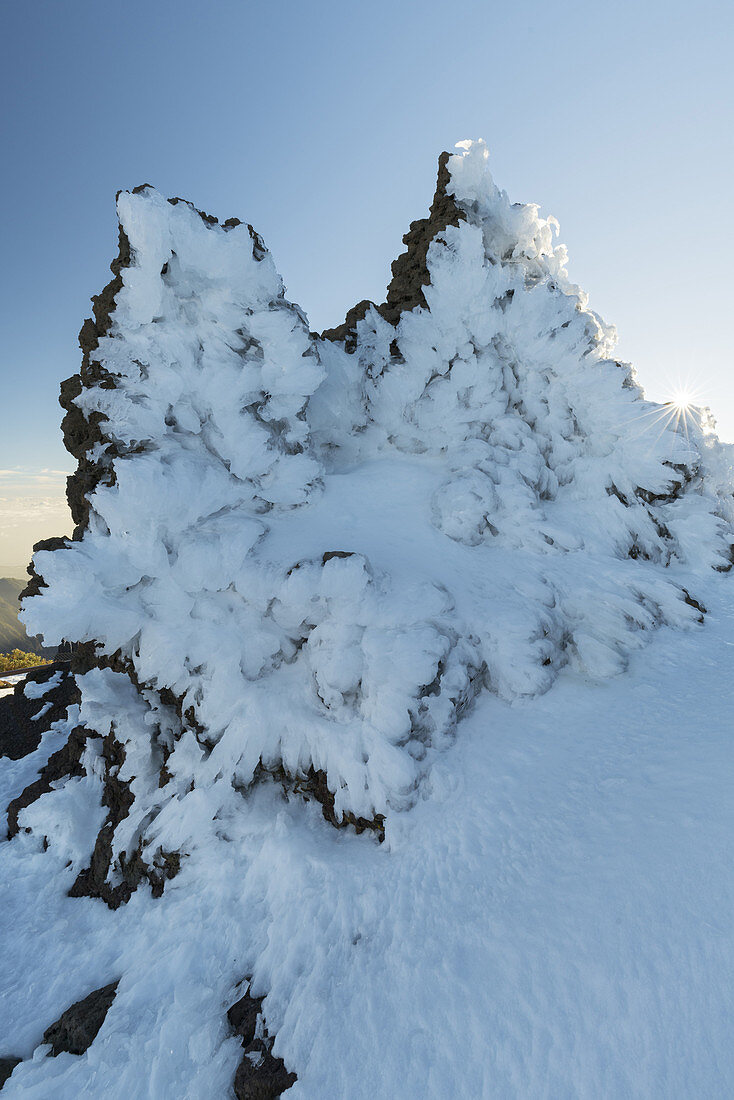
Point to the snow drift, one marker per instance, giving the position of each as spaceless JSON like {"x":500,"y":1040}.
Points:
{"x":302,"y":558}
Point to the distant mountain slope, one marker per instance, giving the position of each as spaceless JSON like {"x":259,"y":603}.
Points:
{"x":12,"y":633}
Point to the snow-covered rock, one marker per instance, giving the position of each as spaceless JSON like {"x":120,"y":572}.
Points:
{"x":303,"y":558}
{"x":220,"y":420}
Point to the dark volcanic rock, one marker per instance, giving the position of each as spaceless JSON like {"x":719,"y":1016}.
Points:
{"x":20,"y":729}
{"x":7,"y":1065}
{"x":36,"y":583}
{"x":76,"y":1029}
{"x":118,"y":798}
{"x":81,"y":432}
{"x":65,"y":762}
{"x":315,"y":784}
{"x":260,"y":1076}
{"x":410,"y":270}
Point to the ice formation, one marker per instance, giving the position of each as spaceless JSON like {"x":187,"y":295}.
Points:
{"x":302,"y":557}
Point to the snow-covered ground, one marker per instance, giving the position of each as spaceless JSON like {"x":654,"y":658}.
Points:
{"x":552,"y":919}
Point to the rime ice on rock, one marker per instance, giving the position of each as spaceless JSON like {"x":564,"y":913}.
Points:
{"x":504,"y":377}
{"x":303,"y":557}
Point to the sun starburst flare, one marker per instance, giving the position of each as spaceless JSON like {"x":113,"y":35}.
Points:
{"x":683,"y":400}
{"x":686,"y":410}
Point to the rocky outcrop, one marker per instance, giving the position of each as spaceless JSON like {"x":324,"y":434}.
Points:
{"x":93,"y":882}
{"x":74,"y":1031}
{"x":77,"y":1027}
{"x":410,"y":272}
{"x":260,"y":1075}
{"x":83,"y":433}
{"x":205,"y":414}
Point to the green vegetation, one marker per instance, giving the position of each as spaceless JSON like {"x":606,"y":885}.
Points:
{"x":19,"y":659}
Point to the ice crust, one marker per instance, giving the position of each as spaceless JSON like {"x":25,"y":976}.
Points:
{"x":229,"y":422}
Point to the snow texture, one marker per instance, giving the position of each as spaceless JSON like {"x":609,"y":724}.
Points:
{"x":551,"y":920}
{"x":315,"y":561}
{"x":36,"y":690}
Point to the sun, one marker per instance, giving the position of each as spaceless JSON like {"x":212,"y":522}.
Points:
{"x":683,"y":400}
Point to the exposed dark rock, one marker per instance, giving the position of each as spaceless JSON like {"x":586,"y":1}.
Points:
{"x":347,"y":330}
{"x":258,"y":247}
{"x":314,"y":785}
{"x":410,"y":270}
{"x":7,"y":1065}
{"x":260,"y":1076}
{"x":208,"y":218}
{"x":83,"y":658}
{"x":76,"y":1029}
{"x":82,"y":432}
{"x":65,"y":762}
{"x":118,"y":798}
{"x":36,"y":583}
{"x":692,"y":602}
{"x":259,"y":251}
{"x":613,"y":491}
{"x":728,"y":564}
{"x":20,"y":730}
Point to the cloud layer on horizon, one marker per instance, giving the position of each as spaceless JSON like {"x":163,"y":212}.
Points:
{"x":32,"y":507}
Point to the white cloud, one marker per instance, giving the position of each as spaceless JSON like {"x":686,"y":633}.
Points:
{"x":32,"y":507}
{"x":21,"y":480}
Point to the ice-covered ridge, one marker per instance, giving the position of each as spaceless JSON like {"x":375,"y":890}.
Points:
{"x":304,"y":557}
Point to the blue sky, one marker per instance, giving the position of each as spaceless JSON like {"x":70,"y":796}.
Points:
{"x":321,"y":123}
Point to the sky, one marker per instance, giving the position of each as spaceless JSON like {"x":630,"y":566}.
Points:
{"x":321,"y":123}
